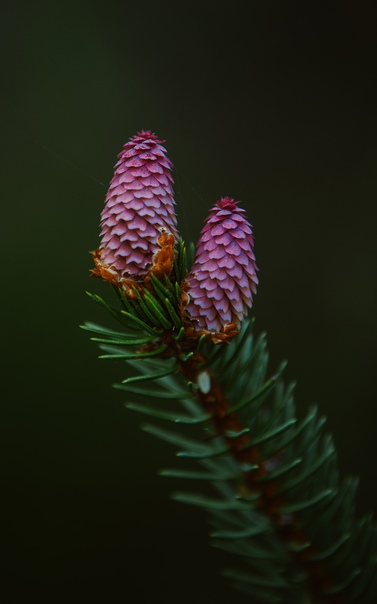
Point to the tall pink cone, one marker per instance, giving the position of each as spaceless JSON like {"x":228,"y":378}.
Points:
{"x":139,"y":208}
{"x":223,"y":278}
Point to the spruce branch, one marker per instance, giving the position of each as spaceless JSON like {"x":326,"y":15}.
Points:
{"x":278,"y":504}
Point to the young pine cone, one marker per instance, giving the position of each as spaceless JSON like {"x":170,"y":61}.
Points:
{"x":223,"y":278}
{"x":139,"y":209}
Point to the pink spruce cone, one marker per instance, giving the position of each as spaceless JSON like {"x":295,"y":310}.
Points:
{"x":139,"y":207}
{"x":223,"y":278}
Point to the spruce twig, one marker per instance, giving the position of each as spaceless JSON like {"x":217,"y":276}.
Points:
{"x":278,"y":504}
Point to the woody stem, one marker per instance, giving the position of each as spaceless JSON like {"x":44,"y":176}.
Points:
{"x":215,"y":402}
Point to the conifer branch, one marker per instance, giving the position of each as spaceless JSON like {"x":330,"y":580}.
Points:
{"x":278,"y":504}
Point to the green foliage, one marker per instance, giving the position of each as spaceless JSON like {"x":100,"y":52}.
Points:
{"x":278,"y":503}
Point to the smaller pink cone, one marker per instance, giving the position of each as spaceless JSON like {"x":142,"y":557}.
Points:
{"x":223,"y":278}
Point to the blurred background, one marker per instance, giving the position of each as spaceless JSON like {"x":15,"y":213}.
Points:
{"x":270,"y":102}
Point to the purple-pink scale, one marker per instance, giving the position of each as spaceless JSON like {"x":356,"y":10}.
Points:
{"x":223,"y":278}
{"x":139,"y":207}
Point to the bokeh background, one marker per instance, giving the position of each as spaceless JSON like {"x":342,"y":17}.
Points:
{"x":272,"y":102}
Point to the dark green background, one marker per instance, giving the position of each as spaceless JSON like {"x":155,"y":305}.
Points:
{"x":270,"y":102}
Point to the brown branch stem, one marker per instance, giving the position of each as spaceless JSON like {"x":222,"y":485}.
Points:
{"x":215,"y":402}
